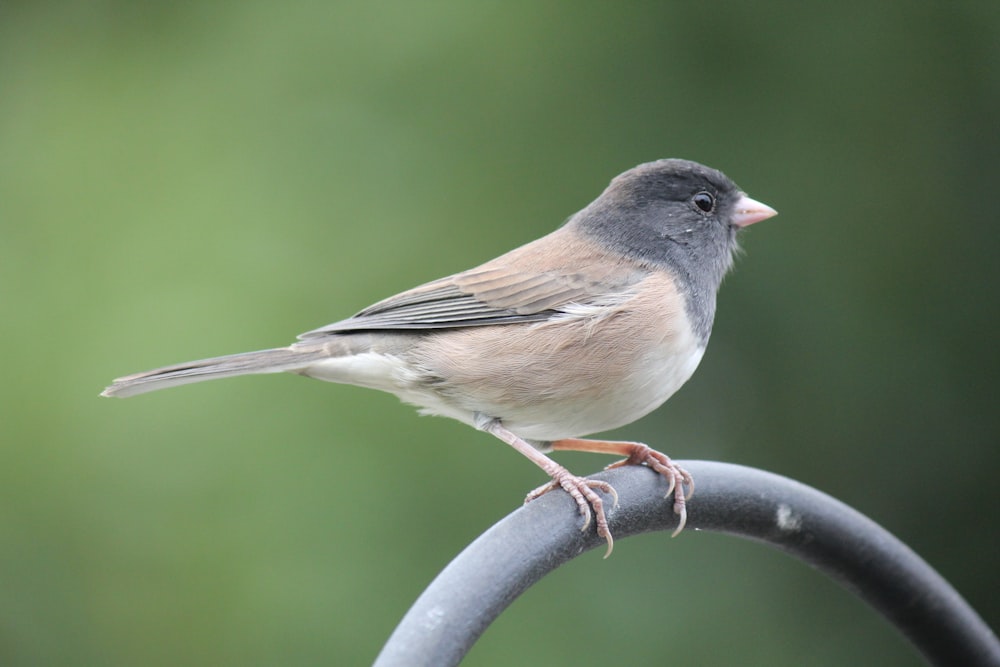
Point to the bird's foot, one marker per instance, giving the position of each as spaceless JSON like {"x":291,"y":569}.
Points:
{"x":681,"y":484}
{"x":582,"y":490}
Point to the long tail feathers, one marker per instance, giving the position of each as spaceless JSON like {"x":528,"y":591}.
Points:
{"x":264,"y":361}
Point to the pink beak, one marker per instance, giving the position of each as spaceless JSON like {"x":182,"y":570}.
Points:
{"x":749,"y":211}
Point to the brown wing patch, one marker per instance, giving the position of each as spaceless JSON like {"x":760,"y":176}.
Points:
{"x":528,"y":284}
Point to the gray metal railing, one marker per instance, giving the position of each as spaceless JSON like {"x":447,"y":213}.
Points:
{"x":503,"y":562}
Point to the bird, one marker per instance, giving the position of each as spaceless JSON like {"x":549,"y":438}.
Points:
{"x":581,"y":331}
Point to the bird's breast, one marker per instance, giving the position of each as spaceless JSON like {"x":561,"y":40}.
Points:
{"x":593,"y":367}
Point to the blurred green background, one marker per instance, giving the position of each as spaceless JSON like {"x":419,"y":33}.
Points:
{"x":180,"y":180}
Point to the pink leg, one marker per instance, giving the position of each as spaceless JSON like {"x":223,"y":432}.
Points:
{"x":636,"y":453}
{"x":579,"y":488}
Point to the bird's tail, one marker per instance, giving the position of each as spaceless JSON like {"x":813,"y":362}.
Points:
{"x":264,"y":361}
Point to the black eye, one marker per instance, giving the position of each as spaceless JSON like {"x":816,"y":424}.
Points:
{"x":704,"y":201}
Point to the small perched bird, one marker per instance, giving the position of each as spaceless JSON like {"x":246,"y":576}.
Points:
{"x":583,"y":330}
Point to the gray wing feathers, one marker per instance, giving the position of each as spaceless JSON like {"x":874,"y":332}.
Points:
{"x":524,"y":293}
{"x":493,"y":295}
{"x":443,"y":306}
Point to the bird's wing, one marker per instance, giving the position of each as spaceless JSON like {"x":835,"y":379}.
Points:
{"x":506,"y":290}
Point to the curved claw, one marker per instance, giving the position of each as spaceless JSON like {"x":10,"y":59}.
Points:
{"x":678,"y":478}
{"x":589,"y":504}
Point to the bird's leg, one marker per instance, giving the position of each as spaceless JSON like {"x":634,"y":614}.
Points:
{"x":636,"y":453}
{"x":581,"y":489}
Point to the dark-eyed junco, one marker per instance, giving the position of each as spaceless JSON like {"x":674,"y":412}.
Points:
{"x":584,"y":330}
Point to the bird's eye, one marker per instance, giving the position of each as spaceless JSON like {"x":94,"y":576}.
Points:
{"x":704,"y":201}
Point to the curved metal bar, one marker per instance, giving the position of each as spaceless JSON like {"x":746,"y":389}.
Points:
{"x":503,"y":562}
